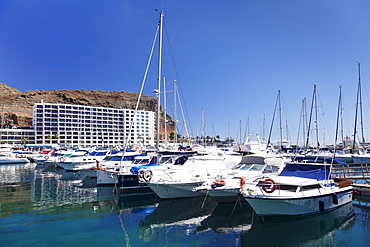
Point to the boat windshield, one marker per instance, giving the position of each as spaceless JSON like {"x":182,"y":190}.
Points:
{"x":106,"y":158}
{"x":241,"y":166}
{"x":101,"y":153}
{"x":257,"y":167}
{"x":141,"y":161}
{"x":120,"y":158}
{"x":271,"y":169}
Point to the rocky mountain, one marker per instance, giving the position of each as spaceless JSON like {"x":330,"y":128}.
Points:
{"x":17,"y":106}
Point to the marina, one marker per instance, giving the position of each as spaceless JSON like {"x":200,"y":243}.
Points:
{"x":93,"y":167}
{"x":43,"y":205}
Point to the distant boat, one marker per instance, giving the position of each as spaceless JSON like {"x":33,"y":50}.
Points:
{"x":8,"y":158}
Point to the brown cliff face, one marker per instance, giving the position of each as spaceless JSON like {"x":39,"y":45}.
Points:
{"x":18,"y":106}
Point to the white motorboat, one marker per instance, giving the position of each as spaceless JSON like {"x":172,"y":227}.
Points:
{"x":9,"y":158}
{"x":141,"y":171}
{"x":109,"y":167}
{"x":52,"y":157}
{"x":179,"y":180}
{"x":300,"y":189}
{"x":81,"y":160}
{"x":253,"y":145}
{"x":225,"y":188}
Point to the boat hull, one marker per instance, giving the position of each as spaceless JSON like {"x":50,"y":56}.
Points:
{"x":13,"y":161}
{"x":278,"y":206}
{"x":171,"y":190}
{"x":225,"y":195}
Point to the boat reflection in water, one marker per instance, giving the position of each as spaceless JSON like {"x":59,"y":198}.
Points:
{"x":184,"y":215}
{"x":16,"y":174}
{"x":228,"y":218}
{"x":55,"y":186}
{"x":287,"y":231}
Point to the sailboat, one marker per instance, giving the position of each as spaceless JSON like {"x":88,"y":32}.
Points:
{"x":357,"y":157}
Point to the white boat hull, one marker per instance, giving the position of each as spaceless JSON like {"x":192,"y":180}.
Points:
{"x":280,"y":206}
{"x":13,"y":160}
{"x":171,"y":190}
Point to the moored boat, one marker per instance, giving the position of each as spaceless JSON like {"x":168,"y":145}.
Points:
{"x":300,"y":189}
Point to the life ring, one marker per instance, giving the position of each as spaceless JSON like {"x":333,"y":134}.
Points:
{"x":147,"y":175}
{"x":46,"y":157}
{"x":219,"y":182}
{"x":242,"y":182}
{"x":62,"y":159}
{"x":269,"y":185}
{"x":140,"y":174}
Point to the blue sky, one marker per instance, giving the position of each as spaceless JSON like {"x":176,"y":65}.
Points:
{"x":229,"y":58}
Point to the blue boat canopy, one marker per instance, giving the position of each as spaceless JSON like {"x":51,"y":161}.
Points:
{"x":319,"y":171}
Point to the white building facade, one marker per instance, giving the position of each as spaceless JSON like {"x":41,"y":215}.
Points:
{"x":17,"y":136}
{"x":78,"y":125}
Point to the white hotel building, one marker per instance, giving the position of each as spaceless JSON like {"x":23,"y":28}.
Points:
{"x":78,"y":125}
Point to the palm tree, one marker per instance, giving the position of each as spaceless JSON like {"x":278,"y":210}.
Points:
{"x":24,"y":140}
{"x":49,"y":138}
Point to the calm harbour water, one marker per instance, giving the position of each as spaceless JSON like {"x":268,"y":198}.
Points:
{"x":44,"y":206}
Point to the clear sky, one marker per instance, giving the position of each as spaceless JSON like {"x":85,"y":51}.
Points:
{"x":229,"y":58}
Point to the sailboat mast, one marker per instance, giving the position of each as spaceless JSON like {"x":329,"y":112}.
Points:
{"x":362,"y":123}
{"x":339,"y":113}
{"x":165,"y":108}
{"x":159,"y":77}
{"x":317,"y":121}
{"x":309,"y":122}
{"x":281,"y":128}
{"x":174,"y":110}
{"x":356,"y":112}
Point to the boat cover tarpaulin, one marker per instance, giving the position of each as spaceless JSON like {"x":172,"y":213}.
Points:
{"x":313,"y":171}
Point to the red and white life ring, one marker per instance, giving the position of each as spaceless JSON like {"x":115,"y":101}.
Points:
{"x":62,"y":159}
{"x":269,"y":185}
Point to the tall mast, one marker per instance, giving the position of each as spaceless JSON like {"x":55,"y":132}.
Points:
{"x":174,"y":110}
{"x":165,"y":108}
{"x":316,"y":121}
{"x":362,"y":123}
{"x":358,"y":102}
{"x":159,"y":77}
{"x":281,"y":128}
{"x":339,"y":114}
{"x":309,"y":122}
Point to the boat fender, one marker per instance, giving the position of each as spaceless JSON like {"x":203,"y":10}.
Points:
{"x":46,"y":157}
{"x":268,"y":185}
{"x":321,"y":206}
{"x":335,"y":198}
{"x":242,"y":182}
{"x":147,"y":175}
